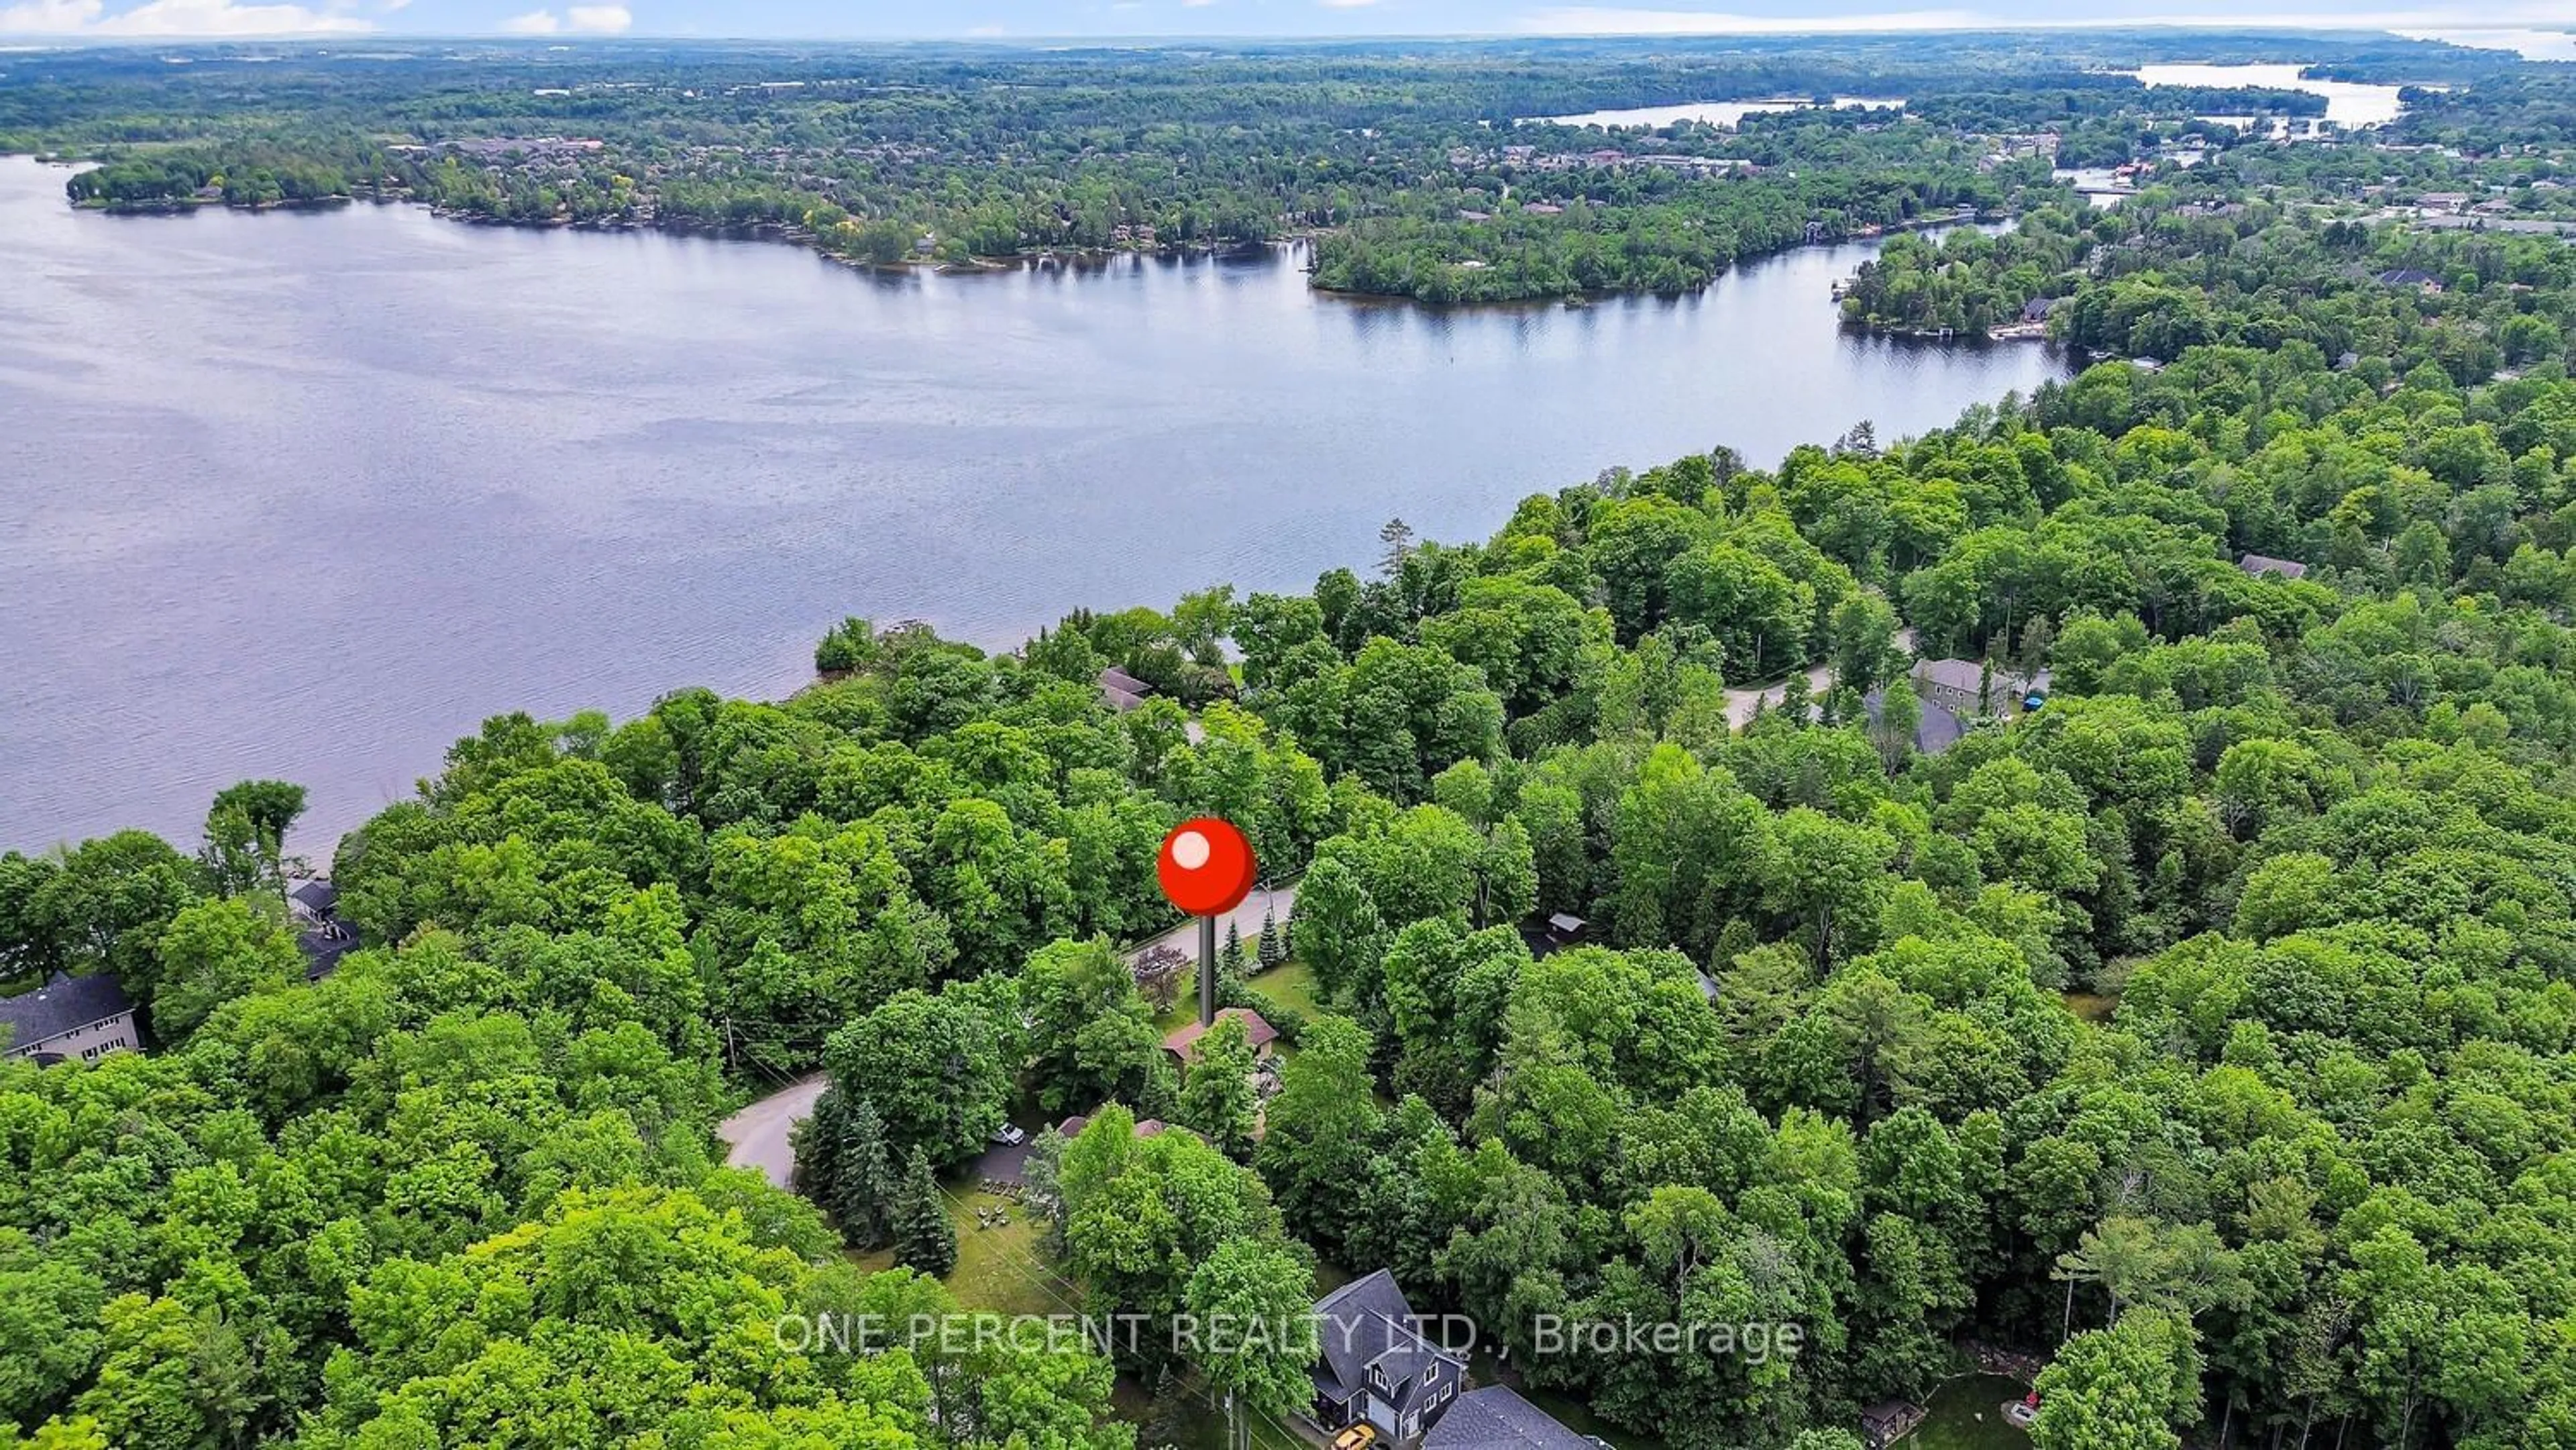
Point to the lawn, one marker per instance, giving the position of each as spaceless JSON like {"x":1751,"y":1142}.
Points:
{"x":2090,"y":1007}
{"x":998,"y":1269}
{"x":1967,"y":1414}
{"x":1291,"y":984}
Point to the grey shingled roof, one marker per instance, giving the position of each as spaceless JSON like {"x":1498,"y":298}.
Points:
{"x":61,"y":1005}
{"x":2262,"y":564}
{"x":1495,"y":1418}
{"x":1936,"y":726}
{"x":1368,"y":1321}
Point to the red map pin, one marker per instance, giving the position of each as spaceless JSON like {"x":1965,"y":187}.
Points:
{"x":1205,"y":867}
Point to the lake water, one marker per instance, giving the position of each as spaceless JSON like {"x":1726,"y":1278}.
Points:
{"x":1715,"y":113}
{"x":2348,"y":103}
{"x":310,"y":494}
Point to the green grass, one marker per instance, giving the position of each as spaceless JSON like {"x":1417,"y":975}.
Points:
{"x":1967,"y":1414}
{"x":2090,"y":1007}
{"x":1290,"y":984}
{"x":998,"y":1269}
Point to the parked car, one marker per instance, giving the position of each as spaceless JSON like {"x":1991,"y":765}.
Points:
{"x":1010,"y":1135}
{"x":1358,"y":1437}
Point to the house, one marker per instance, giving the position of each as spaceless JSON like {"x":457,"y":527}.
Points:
{"x":2443,"y":201}
{"x":1963,"y":687}
{"x":313,"y":901}
{"x":2415,"y":277}
{"x":2259,"y":565}
{"x":1497,"y":1418}
{"x":1374,"y":1366}
{"x":1071,"y":1128}
{"x":1937,"y":727}
{"x":323,"y":937}
{"x":84,"y":1017}
{"x":2038,"y":308}
{"x":1121,"y":691}
{"x":1184,"y":1041}
{"x":1884,"y":1424}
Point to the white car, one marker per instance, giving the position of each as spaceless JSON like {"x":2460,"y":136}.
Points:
{"x":1010,"y":1135}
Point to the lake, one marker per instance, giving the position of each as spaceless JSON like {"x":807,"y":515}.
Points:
{"x":309,"y":494}
{"x":1728,"y":114}
{"x":2348,"y":103}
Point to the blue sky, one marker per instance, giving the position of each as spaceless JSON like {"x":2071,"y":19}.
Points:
{"x":1035,"y":19}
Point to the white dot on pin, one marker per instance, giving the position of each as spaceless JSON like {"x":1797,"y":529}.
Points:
{"x":1189,"y":850}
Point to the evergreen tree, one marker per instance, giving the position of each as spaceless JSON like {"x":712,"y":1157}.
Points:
{"x":863,"y":1184}
{"x":1234,"y":946}
{"x":815,"y":1142}
{"x":1271,"y":946}
{"x":924,"y":1238}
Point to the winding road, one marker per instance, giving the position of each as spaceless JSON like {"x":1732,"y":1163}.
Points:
{"x":757,"y":1137}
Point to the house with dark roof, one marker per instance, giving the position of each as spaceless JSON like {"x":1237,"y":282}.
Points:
{"x":83,"y":1017}
{"x":2417,"y":278}
{"x":2259,"y":565}
{"x":324,"y":938}
{"x":1374,"y":1365}
{"x":1963,"y":688}
{"x":1121,"y":691}
{"x":1497,"y":1418}
{"x":1184,"y":1041}
{"x":1937,"y":727}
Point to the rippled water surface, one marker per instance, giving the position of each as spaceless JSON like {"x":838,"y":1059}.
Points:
{"x":309,"y":494}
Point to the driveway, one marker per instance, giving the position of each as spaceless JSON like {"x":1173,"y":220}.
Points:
{"x":756,"y":1137}
{"x":1740,"y":703}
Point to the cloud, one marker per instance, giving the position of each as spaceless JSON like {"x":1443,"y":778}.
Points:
{"x":1345,"y":4}
{"x":578,"y":20}
{"x":174,"y":18}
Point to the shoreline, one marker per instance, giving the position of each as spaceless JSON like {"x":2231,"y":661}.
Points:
{"x":790,"y":234}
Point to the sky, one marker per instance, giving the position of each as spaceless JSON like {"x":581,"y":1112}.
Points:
{"x":2532,"y":25}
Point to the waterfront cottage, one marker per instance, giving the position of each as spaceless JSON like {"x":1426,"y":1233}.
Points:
{"x":83,"y":1017}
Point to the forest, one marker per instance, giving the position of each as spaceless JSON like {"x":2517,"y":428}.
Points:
{"x":1425,"y":170}
{"x":2205,"y":1033}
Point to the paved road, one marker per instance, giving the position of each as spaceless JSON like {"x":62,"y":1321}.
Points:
{"x":756,"y":1137}
{"x":1246,"y":919}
